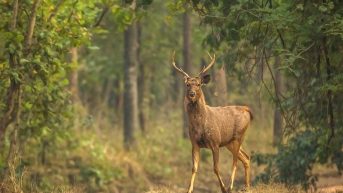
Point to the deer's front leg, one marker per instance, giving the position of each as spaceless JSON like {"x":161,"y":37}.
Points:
{"x":215,"y":152}
{"x":195,"y":157}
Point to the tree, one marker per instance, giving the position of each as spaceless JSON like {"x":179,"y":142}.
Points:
{"x":131,"y":112}
{"x":277,"y":128}
{"x":220,"y":84}
{"x":187,"y":66}
{"x":34,"y":103}
{"x":74,"y":86}
{"x":143,"y":85}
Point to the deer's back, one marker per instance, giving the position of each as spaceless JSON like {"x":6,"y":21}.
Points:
{"x":227,"y":123}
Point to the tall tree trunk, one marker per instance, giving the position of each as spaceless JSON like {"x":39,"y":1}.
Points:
{"x":74,"y":87}
{"x":131,"y":123}
{"x":186,"y":60}
{"x":220,"y":87}
{"x":277,"y":129}
{"x":175,"y":87}
{"x":143,"y":87}
{"x":259,"y":62}
{"x":329,"y":94}
{"x":13,"y":91}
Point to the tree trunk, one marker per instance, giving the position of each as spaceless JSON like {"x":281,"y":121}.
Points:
{"x":277,"y":129}
{"x":259,"y":62}
{"x":329,"y":94}
{"x":131,"y":123}
{"x":220,"y":92}
{"x":186,"y":61}
{"x":175,"y":86}
{"x":143,"y":87}
{"x":13,"y":91}
{"x":74,"y":87}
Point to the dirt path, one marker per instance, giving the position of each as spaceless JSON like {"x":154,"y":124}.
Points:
{"x":330,"y":182}
{"x":331,"y":189}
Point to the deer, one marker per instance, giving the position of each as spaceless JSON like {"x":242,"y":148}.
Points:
{"x":214,"y":127}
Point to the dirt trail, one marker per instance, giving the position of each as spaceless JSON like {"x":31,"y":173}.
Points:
{"x":331,"y":189}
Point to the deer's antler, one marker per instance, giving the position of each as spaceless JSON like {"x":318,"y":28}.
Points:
{"x":204,"y":69}
{"x":178,"y":69}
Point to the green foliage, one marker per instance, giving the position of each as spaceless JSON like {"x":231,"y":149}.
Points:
{"x":292,"y":163}
{"x":42,"y":72}
{"x":307,"y":36}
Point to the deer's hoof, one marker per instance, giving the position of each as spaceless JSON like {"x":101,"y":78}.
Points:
{"x":245,"y":189}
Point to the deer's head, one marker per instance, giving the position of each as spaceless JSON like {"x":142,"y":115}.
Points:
{"x":193,"y":84}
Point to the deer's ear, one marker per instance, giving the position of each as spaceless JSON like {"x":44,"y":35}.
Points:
{"x":205,"y":79}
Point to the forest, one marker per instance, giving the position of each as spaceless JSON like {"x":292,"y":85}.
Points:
{"x":90,"y":100}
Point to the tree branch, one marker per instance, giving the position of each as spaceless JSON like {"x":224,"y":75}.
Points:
{"x":32,"y":23}
{"x":277,"y":95}
{"x":14,"y":15}
{"x":8,"y":117}
{"x":281,"y":38}
{"x":102,"y":15}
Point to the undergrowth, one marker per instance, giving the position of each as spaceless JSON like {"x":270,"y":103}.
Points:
{"x":90,"y":158}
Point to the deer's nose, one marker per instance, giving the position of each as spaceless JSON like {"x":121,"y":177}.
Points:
{"x":191,"y":93}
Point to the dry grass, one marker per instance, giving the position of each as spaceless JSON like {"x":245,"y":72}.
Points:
{"x":260,"y":188}
{"x":272,"y":188}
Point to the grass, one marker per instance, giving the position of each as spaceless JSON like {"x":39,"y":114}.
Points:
{"x":260,"y":188}
{"x":94,"y":160}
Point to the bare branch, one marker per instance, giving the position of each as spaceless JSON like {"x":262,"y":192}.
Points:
{"x":14,"y":15}
{"x":32,"y":23}
{"x":102,"y":15}
{"x":277,"y":99}
{"x":281,"y":38}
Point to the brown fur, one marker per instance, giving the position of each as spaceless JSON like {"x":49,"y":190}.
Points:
{"x":215,"y":127}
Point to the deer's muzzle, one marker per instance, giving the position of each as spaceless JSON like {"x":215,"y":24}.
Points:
{"x":191,"y":94}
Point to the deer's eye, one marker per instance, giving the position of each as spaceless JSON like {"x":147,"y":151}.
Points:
{"x":187,"y":84}
{"x":198,"y":84}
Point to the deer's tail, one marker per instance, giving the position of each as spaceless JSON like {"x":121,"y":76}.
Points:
{"x":250,"y":112}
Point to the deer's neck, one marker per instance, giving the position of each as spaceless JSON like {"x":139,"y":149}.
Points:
{"x":196,"y":110}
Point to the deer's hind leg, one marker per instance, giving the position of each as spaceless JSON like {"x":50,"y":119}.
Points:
{"x":245,"y":159}
{"x":234,"y":147}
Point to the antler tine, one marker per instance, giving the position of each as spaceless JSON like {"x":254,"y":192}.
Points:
{"x":178,"y":69}
{"x":208,"y":53}
{"x":213,"y":59}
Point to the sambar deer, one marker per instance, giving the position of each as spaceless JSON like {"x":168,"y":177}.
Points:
{"x":214,"y":127}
